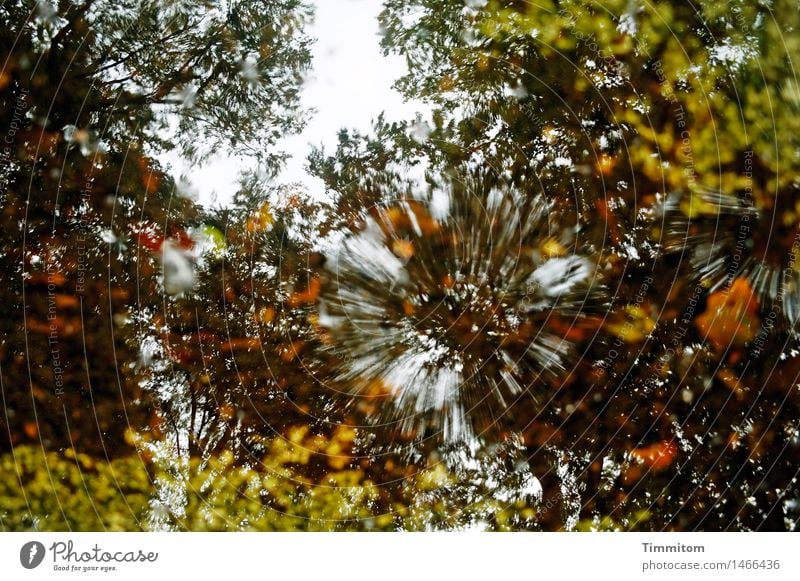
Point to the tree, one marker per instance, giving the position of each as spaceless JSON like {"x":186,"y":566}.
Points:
{"x":652,"y":125}
{"x":197,"y":75}
{"x":87,"y":93}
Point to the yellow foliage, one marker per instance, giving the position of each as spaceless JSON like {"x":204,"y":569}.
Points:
{"x":261,"y":220}
{"x":632,"y":324}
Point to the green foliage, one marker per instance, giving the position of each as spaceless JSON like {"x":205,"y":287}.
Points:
{"x":51,"y":491}
{"x":222,"y":496}
{"x":641,"y":78}
{"x":228,"y":72}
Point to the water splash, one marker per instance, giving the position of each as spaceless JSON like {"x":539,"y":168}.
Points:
{"x":447,"y":315}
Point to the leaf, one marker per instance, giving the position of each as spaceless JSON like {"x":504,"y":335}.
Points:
{"x":632,"y":324}
{"x":308,"y":296}
{"x":731,"y":316}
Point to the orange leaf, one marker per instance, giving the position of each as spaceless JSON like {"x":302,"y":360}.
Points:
{"x":403,"y":248}
{"x":241,"y":344}
{"x":656,"y":456}
{"x":308,"y":296}
{"x":151,"y":180}
{"x":265,"y":315}
{"x":66,"y":301}
{"x":44,"y":279}
{"x":605,"y":164}
{"x":731,"y":316}
{"x":31,"y":429}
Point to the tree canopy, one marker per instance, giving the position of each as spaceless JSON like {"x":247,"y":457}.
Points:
{"x":564,"y":297}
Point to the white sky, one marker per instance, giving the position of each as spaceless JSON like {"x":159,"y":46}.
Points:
{"x":349,"y":85}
